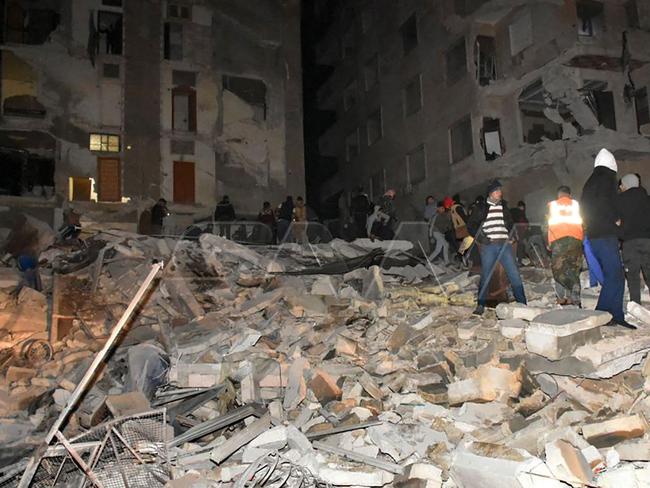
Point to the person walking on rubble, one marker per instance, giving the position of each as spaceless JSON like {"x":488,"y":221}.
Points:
{"x":439,"y":225}
{"x":565,"y":236}
{"x":633,"y":206}
{"x":600,"y":214}
{"x":285,"y":216}
{"x":490,"y":225}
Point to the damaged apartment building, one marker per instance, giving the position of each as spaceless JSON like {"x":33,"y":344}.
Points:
{"x":440,"y":97}
{"x":119,"y":101}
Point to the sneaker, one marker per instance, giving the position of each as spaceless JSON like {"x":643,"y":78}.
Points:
{"x":478,"y":310}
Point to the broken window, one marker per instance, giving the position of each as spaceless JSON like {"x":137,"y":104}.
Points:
{"x":173,"y":43}
{"x":25,"y":174}
{"x":409,"y":33}
{"x":642,"y":108}
{"x":374,"y":127}
{"x":252,"y":91}
{"x":352,"y":146}
{"x":590,"y":17}
{"x":632,"y":12}
{"x":492,"y":144}
{"x":601,"y":102}
{"x":413,"y":96}
{"x":456,"y":60}
{"x":109,"y":29}
{"x":28,"y":25}
{"x":184,"y":109}
{"x":486,"y":60}
{"x":111,"y":70}
{"x":104,"y":142}
{"x":417,"y":165}
{"x":535,"y":124}
{"x":461,"y":140}
{"x":371,"y":72}
{"x":350,"y":96}
{"x":175,"y":11}
{"x":348,"y":43}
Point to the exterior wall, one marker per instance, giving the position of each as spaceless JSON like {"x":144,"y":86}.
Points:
{"x":554,"y":45}
{"x":234,"y":154}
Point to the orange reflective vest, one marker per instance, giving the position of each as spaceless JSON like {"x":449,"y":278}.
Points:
{"x":564,"y":220}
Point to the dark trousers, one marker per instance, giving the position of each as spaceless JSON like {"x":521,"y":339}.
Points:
{"x":224,"y":230}
{"x":491,"y":254}
{"x":636,"y":257}
{"x":607,"y":255}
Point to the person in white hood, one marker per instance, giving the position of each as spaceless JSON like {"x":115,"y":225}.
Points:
{"x":600,"y":215}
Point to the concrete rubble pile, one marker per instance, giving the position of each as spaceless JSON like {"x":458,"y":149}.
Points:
{"x":373,"y":377}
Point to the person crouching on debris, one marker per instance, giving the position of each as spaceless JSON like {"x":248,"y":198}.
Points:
{"x":634,"y":210}
{"x":565,"y":236}
{"x":599,"y":211}
{"x":490,"y":225}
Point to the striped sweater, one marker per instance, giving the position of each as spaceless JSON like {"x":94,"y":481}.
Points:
{"x":494,"y":226}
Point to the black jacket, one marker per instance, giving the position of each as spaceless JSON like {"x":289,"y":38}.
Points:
{"x":224,"y":212}
{"x":478,"y":216}
{"x":633,"y":206}
{"x":598,"y":204}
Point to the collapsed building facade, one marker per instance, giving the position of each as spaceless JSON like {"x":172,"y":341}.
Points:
{"x":112,"y":100}
{"x":441,"y":97}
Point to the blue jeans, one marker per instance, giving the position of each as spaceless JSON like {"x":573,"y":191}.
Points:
{"x":607,"y":255}
{"x":595,"y":273}
{"x":490,"y":255}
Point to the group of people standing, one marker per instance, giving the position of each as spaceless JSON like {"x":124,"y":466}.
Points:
{"x":611,"y":220}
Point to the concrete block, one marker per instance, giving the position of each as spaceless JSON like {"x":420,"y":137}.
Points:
{"x":518,"y":311}
{"x":610,"y":432}
{"x":568,"y":463}
{"x":489,"y":384}
{"x":324,"y":387}
{"x":557,"y":334}
{"x":512,"y":328}
{"x":275,"y":438}
{"x":345,"y":346}
{"x":423,"y":471}
{"x":358,"y":477}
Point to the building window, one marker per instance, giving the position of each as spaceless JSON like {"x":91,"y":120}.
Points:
{"x":461,"y":140}
{"x":642,"y":108}
{"x":492,"y":144}
{"x":417,"y":165}
{"x":413,"y":96}
{"x":173,"y":45}
{"x":486,"y":60}
{"x":352,"y":146}
{"x":111,"y":70}
{"x":632,"y":12}
{"x":175,"y":11}
{"x":536,"y":126}
{"x":371,"y":72}
{"x":601,"y":103}
{"x":348,"y":43}
{"x":456,"y":60}
{"x":590,"y":17}
{"x":184,"y":109}
{"x":409,"y":33}
{"x":350,"y":96}
{"x":250,"y":90}
{"x":374,"y":127}
{"x":109,"y":29}
{"x":104,"y":142}
{"x":28,"y":25}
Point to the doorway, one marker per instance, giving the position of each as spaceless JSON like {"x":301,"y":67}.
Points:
{"x":109,"y":180}
{"x":184,"y":182}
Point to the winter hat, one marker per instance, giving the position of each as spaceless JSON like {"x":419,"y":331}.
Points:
{"x":630,"y":181}
{"x":448,"y":202}
{"x":493,"y":186}
{"x":606,"y":159}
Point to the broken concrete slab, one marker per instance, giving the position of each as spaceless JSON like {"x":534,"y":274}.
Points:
{"x":610,"y":432}
{"x":518,"y":311}
{"x":324,"y":387}
{"x":489,"y":384}
{"x":639,"y":312}
{"x":568,"y":464}
{"x":512,"y":328}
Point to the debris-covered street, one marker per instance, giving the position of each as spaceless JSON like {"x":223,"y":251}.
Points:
{"x":239,"y":367}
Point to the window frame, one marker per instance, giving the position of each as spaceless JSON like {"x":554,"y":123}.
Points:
{"x":405,"y":90}
{"x":452,"y":127}
{"x":104,"y":146}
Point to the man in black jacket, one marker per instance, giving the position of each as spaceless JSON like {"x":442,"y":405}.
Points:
{"x":634,"y":209}
{"x":224,"y":212}
{"x":600,"y":216}
{"x":491,"y":224}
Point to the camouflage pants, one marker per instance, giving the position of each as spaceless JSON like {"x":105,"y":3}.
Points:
{"x":566,"y":261}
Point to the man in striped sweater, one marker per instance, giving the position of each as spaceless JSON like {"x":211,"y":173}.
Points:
{"x":490,"y":224}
